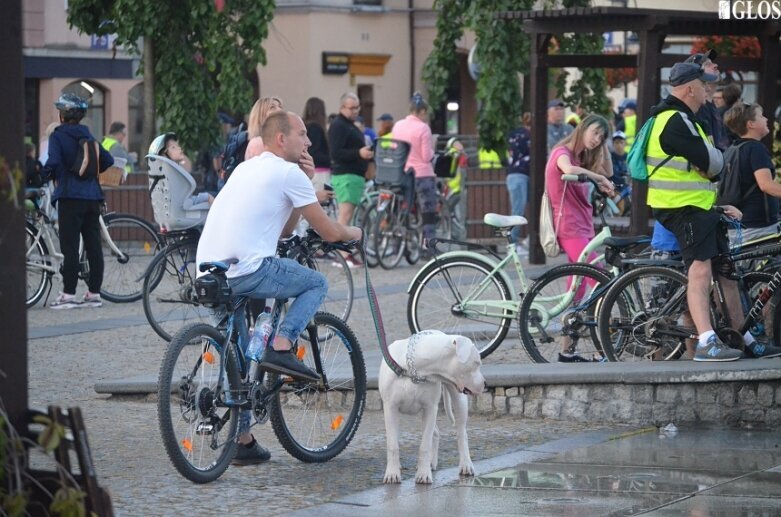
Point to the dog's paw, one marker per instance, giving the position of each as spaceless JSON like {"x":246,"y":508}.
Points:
{"x":423,"y":477}
{"x":466,"y":468}
{"x":392,"y":477}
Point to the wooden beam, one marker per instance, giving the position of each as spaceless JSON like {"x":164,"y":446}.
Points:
{"x":13,"y":313}
{"x":589,"y":60}
{"x":539,"y":147}
{"x":647,"y":95}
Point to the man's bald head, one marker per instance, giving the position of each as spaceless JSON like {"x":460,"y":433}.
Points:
{"x":277,"y":122}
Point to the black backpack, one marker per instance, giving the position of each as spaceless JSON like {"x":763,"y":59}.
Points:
{"x":233,"y":152}
{"x":729,"y":186}
{"x":86,"y":166}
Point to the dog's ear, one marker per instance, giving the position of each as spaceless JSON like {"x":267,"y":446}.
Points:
{"x":463,"y":348}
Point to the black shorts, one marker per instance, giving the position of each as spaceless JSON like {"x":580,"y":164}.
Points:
{"x":700,"y":233}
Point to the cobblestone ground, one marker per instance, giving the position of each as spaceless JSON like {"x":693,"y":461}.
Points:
{"x":131,"y":462}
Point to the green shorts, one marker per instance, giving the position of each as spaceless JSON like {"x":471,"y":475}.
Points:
{"x":348,"y":188}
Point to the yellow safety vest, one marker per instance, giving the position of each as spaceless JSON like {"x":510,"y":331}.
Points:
{"x":386,"y":137}
{"x":630,"y":130}
{"x":676,"y":184}
{"x":108,"y":143}
{"x":488,"y":159}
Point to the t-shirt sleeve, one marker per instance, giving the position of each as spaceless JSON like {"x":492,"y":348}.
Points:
{"x":759,"y":158}
{"x":298,"y":188}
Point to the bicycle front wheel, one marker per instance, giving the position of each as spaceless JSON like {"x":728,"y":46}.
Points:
{"x":316,"y":421}
{"x":459,"y":295}
{"x":368,"y":225}
{"x":558,"y":313}
{"x":169,"y":291}
{"x":197,"y":426}
{"x":137,"y":242}
{"x":644,"y":316}
{"x":37,"y":257}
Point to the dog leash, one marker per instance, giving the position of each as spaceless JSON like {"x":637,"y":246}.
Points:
{"x":374,"y":306}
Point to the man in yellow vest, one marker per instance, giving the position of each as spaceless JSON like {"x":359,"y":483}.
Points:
{"x":628,"y":122}
{"x":682,"y":168}
{"x":489,"y":159}
{"x":113,"y":144}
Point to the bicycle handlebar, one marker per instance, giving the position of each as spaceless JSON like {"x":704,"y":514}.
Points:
{"x":583,"y":178}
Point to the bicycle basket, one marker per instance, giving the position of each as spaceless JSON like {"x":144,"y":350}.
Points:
{"x":212,"y":290}
{"x":390,"y":157}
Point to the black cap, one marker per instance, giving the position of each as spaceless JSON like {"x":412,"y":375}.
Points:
{"x":683,"y":73}
{"x":385,"y":116}
{"x":556,"y":103}
{"x":699,"y":59}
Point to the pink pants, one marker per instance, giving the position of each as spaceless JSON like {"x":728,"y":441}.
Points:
{"x":573,"y":248}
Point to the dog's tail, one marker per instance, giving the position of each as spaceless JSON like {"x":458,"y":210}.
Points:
{"x":448,"y":393}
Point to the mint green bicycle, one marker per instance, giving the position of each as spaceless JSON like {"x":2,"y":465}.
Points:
{"x":470,"y":293}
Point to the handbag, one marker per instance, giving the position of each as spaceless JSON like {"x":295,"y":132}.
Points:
{"x":548,"y":232}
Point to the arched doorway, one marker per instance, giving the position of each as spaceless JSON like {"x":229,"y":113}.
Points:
{"x":95,"y":119}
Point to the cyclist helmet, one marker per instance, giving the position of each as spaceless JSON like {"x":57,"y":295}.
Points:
{"x":158,"y":144}
{"x":71,"y":106}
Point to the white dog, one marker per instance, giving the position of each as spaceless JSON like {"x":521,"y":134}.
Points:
{"x":451,"y":367}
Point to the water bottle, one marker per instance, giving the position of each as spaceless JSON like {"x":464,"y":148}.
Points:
{"x":259,"y":340}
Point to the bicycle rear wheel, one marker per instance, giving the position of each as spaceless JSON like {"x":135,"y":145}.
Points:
{"x":36,"y":255}
{"x":138,"y":242}
{"x":316,"y":421}
{"x":644,"y":316}
{"x":453,"y":295}
{"x":169,"y":291}
{"x":197,"y":427}
{"x":390,"y":234}
{"x":558,"y":313}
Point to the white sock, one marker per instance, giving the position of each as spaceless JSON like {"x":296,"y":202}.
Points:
{"x":705,"y":336}
{"x":748,"y":338}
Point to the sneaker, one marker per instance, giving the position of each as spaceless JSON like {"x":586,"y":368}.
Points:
{"x":351,"y":262}
{"x":577,"y":358}
{"x":757,"y":350}
{"x":91,"y":300}
{"x":286,"y":363}
{"x":521,"y":250}
{"x":355,"y":259}
{"x":251,"y":454}
{"x":714,"y":350}
{"x":65,"y":301}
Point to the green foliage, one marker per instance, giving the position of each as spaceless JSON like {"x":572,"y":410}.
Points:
{"x":441,"y":65}
{"x":502,"y":52}
{"x":203,"y":57}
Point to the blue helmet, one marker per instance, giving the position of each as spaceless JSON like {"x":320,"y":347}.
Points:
{"x":71,"y":106}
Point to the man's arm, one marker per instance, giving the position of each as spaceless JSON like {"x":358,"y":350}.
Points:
{"x":766,"y":183}
{"x":328,"y":229}
{"x":681,"y":138}
{"x":291,"y":223}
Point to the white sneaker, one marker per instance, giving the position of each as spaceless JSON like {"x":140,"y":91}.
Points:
{"x":65,"y":301}
{"x":91,"y":300}
{"x":521,"y":251}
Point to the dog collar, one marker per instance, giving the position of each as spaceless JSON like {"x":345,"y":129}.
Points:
{"x":412,"y":371}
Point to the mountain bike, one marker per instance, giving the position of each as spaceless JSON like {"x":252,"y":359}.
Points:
{"x":169,"y":282}
{"x":205,"y":382}
{"x":645,"y":313}
{"x":469,"y":293}
{"x":129,"y":244}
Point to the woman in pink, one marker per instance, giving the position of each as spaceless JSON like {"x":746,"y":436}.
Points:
{"x":582,"y":152}
{"x":414,"y":130}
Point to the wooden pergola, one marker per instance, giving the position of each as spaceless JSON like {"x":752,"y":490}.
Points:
{"x":652,"y":27}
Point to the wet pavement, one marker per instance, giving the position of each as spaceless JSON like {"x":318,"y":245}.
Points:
{"x":691,"y":472}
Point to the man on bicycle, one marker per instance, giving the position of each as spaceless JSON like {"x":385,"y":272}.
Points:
{"x":682,"y":167}
{"x":263,"y":201}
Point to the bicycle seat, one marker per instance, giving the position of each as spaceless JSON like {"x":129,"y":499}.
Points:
{"x":627,"y":242}
{"x":218,"y":266}
{"x":504,"y":221}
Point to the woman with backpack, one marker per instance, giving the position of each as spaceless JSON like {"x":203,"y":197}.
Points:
{"x":74,"y":162}
{"x":758,"y":192}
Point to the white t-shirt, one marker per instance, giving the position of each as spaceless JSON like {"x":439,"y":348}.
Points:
{"x":247,"y":217}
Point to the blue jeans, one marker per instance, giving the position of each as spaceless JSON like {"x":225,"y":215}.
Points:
{"x":280,"y":278}
{"x":518,"y":188}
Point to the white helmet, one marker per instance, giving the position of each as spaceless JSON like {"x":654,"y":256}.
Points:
{"x":158,"y":144}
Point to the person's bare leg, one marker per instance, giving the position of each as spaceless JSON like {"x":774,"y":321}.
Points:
{"x":698,"y":294}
